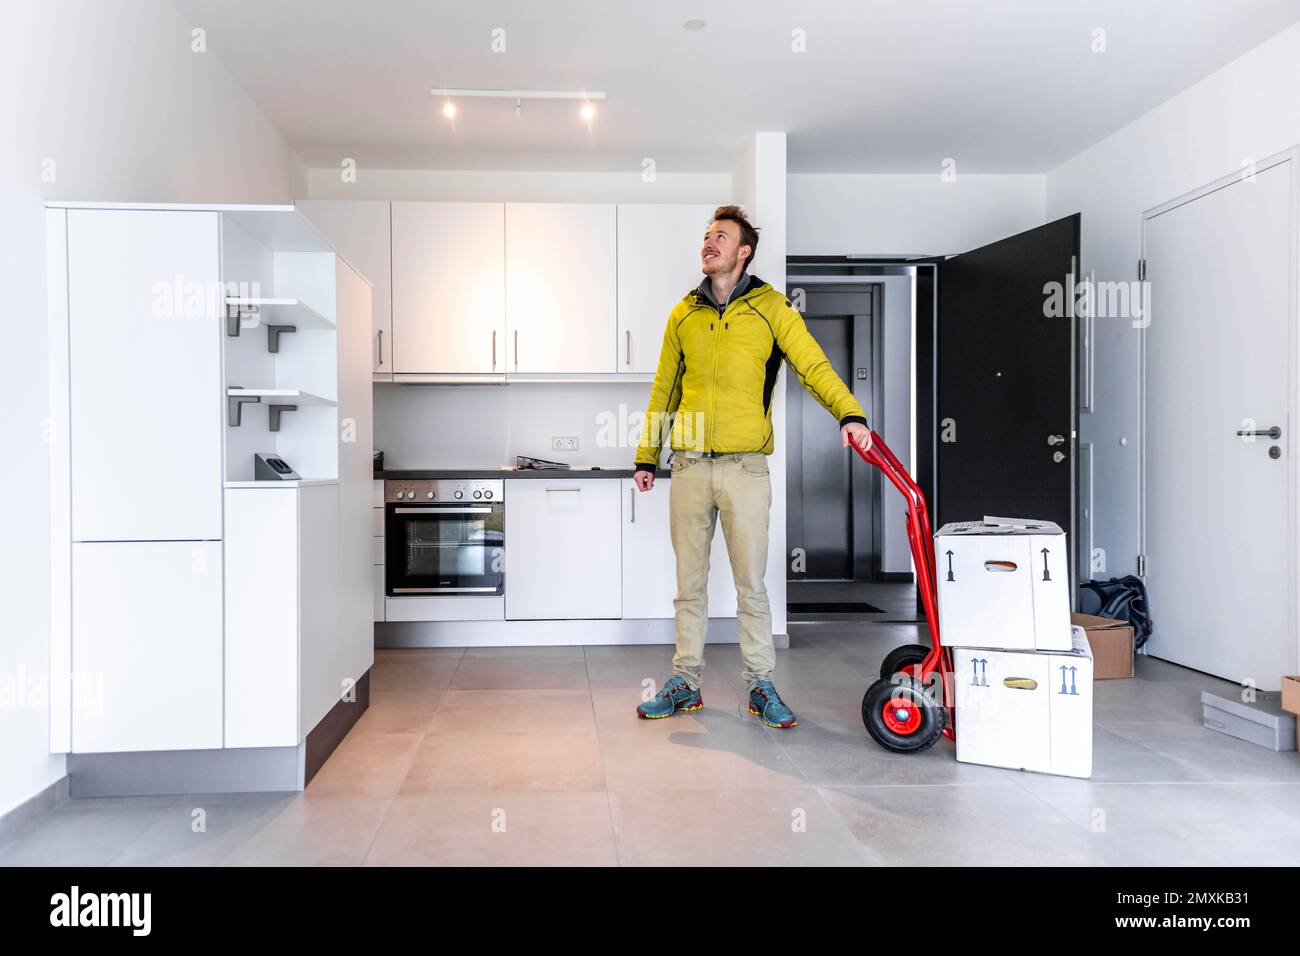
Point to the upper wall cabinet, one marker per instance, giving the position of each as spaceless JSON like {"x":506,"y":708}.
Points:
{"x":658,"y":263}
{"x":448,"y":287}
{"x":360,"y":231}
{"x":560,"y":287}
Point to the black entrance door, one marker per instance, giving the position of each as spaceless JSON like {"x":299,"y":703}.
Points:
{"x":1005,"y":408}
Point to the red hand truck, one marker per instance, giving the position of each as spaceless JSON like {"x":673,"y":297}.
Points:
{"x":908,"y":709}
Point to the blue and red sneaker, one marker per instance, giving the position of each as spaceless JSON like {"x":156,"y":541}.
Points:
{"x":766,"y":704}
{"x":676,"y":695}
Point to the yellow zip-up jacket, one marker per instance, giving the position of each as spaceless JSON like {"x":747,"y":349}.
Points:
{"x":717,"y":371}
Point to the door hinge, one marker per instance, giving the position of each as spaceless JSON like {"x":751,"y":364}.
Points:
{"x":1142,"y":269}
{"x":1142,"y":566}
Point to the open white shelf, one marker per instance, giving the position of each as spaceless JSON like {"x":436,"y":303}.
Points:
{"x":282,"y":312}
{"x":280,"y":396}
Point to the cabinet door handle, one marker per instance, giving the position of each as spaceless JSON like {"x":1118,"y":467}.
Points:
{"x":563,"y":488}
{"x":516,"y":350}
{"x":381,"y":346}
{"x":631,"y":497}
{"x":628,"y":340}
{"x":494,"y":350}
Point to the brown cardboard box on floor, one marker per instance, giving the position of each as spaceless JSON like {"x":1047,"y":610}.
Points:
{"x":1291,"y":701}
{"x":1112,"y":645}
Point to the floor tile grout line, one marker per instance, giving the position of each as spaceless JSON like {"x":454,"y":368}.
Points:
{"x":383,"y":818}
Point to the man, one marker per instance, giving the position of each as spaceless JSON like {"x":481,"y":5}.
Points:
{"x":722,"y":348}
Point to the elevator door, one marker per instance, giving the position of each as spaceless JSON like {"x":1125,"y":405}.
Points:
{"x":830,"y":513}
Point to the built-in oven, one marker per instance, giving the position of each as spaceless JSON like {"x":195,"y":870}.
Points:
{"x":444,"y":537}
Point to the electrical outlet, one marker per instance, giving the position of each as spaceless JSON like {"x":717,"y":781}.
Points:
{"x":565,"y":443}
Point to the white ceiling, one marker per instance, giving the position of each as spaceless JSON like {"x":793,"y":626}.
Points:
{"x":1002,"y":86}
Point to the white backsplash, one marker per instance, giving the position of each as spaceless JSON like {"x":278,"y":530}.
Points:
{"x":486,"y":426}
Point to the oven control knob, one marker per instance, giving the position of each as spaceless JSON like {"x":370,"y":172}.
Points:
{"x":401,"y":495}
{"x":428,"y":494}
{"x":460,"y":494}
{"x":478,"y":494}
{"x":487,"y":494}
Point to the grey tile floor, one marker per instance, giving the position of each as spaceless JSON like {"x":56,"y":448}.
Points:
{"x":534,"y":756}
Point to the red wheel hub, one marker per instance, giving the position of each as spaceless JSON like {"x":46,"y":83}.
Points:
{"x":901,"y":715}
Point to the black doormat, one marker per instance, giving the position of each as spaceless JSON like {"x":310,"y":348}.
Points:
{"x":833,"y":607}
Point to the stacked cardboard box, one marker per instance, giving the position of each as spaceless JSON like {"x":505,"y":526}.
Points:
{"x":1291,"y":701}
{"x":1112,"y":645}
{"x":1022,"y":673}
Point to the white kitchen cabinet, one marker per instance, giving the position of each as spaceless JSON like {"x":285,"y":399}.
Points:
{"x":658,"y":263}
{"x":561,"y":301}
{"x":380,"y":598}
{"x":361,"y":231}
{"x":563,"y":548}
{"x":649,"y":565}
{"x":262,"y":617}
{"x":448,"y":287}
{"x":144,"y":366}
{"x":147,"y":646}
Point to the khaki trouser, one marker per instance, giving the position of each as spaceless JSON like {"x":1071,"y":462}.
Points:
{"x":736,"y":487}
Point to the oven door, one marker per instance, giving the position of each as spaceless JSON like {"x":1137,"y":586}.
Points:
{"x":444,"y":549}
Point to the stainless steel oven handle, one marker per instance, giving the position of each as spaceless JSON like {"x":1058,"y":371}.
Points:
{"x":441,"y":511}
{"x":444,"y":590}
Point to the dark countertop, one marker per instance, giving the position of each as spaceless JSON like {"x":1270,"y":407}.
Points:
{"x":426,"y":474}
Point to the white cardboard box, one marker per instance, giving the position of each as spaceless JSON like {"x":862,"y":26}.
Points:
{"x":1003,"y":583}
{"x":1026,"y":710}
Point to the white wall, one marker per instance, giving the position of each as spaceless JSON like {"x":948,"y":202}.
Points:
{"x":1248,"y":109}
{"x":517,"y":186}
{"x":114,"y":97}
{"x":836,"y":214}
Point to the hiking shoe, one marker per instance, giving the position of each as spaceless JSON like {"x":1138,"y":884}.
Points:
{"x":673,"y":696}
{"x":766,"y":704}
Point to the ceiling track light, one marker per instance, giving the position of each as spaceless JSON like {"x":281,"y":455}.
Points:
{"x":519,"y":94}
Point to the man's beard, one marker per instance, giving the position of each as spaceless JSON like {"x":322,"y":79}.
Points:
{"x":719,"y":266}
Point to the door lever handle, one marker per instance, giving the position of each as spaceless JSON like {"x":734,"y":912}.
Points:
{"x":1274,"y":433}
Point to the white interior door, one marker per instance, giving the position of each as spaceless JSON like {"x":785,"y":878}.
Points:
{"x":1218,"y":508}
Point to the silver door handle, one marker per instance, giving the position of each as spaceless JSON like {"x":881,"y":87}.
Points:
{"x":628,"y":339}
{"x":563,"y":488}
{"x":494,"y":350}
{"x":381,"y":346}
{"x":631,"y":497}
{"x":1274,"y":433}
{"x":441,"y":511}
{"x":1055,"y":440}
{"x":516,"y":350}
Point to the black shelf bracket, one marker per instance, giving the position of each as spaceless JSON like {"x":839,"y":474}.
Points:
{"x":234,"y":313}
{"x":275,"y":411}
{"x":235,"y":408}
{"x":273,"y":333}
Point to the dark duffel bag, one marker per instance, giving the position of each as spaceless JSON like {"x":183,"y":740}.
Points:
{"x":1122,"y":599}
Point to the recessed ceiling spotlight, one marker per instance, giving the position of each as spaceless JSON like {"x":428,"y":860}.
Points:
{"x":695,"y":25}
{"x":449,"y":109}
{"x":588,"y":112}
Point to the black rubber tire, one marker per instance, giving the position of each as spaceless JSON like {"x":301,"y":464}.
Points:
{"x":909,"y":655}
{"x":933,"y":717}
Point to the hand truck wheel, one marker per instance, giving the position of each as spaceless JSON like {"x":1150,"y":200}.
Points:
{"x":904,"y":660}
{"x":901,"y":716}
